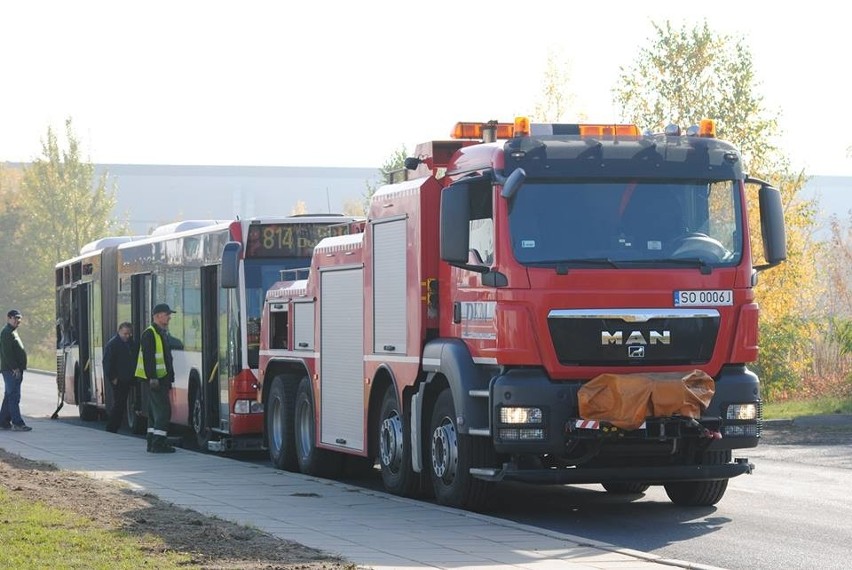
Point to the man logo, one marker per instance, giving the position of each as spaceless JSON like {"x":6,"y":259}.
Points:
{"x":635,"y":351}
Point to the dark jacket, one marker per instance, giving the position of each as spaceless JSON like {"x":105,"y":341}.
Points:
{"x":120,"y":359}
{"x":148,"y":348}
{"x":12,"y":353}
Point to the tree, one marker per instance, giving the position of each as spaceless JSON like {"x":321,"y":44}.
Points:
{"x":395,"y":161}
{"x":65,"y":208}
{"x":556,"y":98}
{"x":11,"y":218}
{"x":685,"y":75}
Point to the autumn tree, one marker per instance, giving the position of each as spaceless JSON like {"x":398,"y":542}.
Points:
{"x":66,"y":207}
{"x":686,"y":74}
{"x":395,"y":161}
{"x":11,"y":219}
{"x":556,"y":99}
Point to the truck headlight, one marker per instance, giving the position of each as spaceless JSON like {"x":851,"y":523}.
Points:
{"x":742,"y":412}
{"x":518,"y":415}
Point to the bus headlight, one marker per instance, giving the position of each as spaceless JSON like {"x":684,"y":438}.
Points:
{"x":248,"y":407}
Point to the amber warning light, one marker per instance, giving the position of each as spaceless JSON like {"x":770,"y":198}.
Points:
{"x":523,"y":127}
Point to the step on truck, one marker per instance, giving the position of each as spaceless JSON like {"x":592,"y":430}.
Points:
{"x":548,"y":303}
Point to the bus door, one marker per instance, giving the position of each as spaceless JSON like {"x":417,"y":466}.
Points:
{"x":82,"y":327}
{"x":141,"y":287}
{"x":210,"y":324}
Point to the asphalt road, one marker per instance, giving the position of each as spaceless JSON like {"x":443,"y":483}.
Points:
{"x":793,"y":512}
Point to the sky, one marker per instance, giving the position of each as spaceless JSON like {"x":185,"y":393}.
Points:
{"x":342,"y":83}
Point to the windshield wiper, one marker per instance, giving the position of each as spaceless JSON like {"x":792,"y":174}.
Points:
{"x":562,"y":265}
{"x":703,"y":266}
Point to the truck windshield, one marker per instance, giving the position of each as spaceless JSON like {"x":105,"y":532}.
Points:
{"x":610,"y":224}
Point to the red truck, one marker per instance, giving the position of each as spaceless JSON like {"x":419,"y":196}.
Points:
{"x":548,"y":303}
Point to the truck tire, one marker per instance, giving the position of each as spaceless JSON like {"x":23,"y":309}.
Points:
{"x":452,"y":455}
{"x":701,"y":493}
{"x":280,"y":432}
{"x":136,"y":422}
{"x":621,"y":488}
{"x":312,"y":460}
{"x":394,"y":448}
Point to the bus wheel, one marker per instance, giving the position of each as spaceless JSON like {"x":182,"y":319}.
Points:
{"x":701,"y":493}
{"x":279,"y":424}
{"x":198,"y":411}
{"x":394,"y":446}
{"x":133,"y":413}
{"x":312,"y":460}
{"x":452,"y":455}
{"x":88,"y":412}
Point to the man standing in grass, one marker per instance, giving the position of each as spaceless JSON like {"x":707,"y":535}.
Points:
{"x":13,"y":362}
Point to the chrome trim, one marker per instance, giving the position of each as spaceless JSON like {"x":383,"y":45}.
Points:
{"x":632,"y":315}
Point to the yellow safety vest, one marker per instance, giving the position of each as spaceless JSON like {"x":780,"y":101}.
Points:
{"x":159,"y":357}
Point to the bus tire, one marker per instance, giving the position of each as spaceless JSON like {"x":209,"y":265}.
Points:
{"x":452,"y":455}
{"x":394,"y":448}
{"x":199,"y":415}
{"x":280,"y":425}
{"x":312,"y":460}
{"x":88,"y":412}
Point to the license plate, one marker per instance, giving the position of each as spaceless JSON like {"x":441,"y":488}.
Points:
{"x":712,"y":298}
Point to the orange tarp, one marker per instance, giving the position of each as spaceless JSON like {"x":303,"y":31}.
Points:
{"x":625,"y":400}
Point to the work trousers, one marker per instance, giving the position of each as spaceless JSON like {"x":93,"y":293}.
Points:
{"x":119,"y":404}
{"x":159,"y":411}
{"x":10,"y":412}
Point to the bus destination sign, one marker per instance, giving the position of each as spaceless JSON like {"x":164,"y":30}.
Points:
{"x":289,"y":240}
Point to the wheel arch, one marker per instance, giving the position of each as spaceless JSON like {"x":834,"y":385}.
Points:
{"x":292,"y":370}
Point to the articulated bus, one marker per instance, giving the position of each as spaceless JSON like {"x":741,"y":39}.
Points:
{"x":215,"y":332}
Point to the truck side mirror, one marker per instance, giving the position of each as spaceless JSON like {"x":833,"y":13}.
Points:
{"x":455,"y":223}
{"x":231,"y":265}
{"x":772,"y":226}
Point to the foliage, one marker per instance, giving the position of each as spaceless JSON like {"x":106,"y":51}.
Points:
{"x":62,"y":208}
{"x":299,"y":209}
{"x":394,"y":162}
{"x":685,"y":75}
{"x":11,"y":217}
{"x":556,"y":98}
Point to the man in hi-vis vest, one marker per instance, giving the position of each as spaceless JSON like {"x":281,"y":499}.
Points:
{"x":154,"y":366}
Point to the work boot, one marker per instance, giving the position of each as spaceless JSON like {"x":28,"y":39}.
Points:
{"x":161,"y":445}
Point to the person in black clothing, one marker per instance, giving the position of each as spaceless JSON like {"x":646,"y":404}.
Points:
{"x":13,"y":362}
{"x":154,"y":366}
{"x":120,"y":355}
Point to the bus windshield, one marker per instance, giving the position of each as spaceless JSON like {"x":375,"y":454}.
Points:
{"x":260,"y":275}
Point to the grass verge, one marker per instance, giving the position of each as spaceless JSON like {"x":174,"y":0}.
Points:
{"x":798,"y":408}
{"x":35,"y":535}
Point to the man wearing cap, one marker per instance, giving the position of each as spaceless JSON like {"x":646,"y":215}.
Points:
{"x":13,"y":362}
{"x":154,"y":365}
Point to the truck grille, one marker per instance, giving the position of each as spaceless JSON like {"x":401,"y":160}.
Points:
{"x":640,"y":337}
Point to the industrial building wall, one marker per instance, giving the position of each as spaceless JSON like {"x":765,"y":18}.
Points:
{"x":152,"y":195}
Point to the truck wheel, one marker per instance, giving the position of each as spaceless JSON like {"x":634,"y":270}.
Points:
{"x":394,"y":446}
{"x":280,"y":426}
{"x":625,"y":488}
{"x":199,"y":415}
{"x":312,"y":460}
{"x":136,"y":422}
{"x":452,"y":455}
{"x":701,"y":493}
